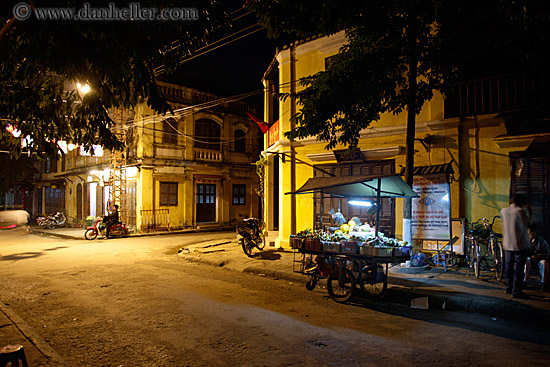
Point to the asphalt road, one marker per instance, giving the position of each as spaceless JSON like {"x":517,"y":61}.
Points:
{"x":134,"y":302}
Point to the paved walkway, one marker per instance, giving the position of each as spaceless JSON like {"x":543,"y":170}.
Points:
{"x":457,"y":289}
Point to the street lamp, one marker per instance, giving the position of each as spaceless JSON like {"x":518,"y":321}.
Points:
{"x":83,"y":88}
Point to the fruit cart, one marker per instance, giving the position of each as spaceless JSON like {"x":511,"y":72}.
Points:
{"x":350,"y":264}
{"x":346,"y":265}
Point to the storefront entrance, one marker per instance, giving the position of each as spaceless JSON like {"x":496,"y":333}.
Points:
{"x":531,"y":176}
{"x":387,"y":213}
{"x":206,"y":203}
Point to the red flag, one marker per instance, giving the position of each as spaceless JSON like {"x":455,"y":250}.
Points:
{"x":263,"y":125}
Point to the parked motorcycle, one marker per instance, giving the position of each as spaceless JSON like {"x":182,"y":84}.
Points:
{"x":57,"y":220}
{"x":250,"y":235}
{"x":42,"y":221}
{"x":100,"y":229}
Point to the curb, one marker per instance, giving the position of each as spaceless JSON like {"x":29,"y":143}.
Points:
{"x":32,"y":336}
{"x":183,"y":231}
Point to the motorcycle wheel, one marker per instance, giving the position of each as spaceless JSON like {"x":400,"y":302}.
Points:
{"x":90,"y":234}
{"x":261,"y":243}
{"x":43,"y":224}
{"x":50,"y":224}
{"x":248,"y":247}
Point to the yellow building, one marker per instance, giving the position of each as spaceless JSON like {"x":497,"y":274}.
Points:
{"x":483,"y":132}
{"x":193,"y":169}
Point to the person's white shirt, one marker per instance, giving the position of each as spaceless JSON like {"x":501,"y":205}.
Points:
{"x":515,"y":221}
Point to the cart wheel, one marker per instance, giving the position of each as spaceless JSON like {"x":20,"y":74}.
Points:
{"x":310,"y":285}
{"x":340,"y":285}
{"x":371,"y":286}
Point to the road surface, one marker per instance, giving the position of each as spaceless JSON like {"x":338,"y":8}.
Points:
{"x":134,"y":302}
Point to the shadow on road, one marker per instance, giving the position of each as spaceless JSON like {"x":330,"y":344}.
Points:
{"x":21,"y":256}
{"x":268,"y":255}
{"x":469,"y":321}
{"x":29,"y":255}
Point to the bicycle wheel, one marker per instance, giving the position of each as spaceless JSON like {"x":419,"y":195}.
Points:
{"x":90,"y":234}
{"x":476,"y":260}
{"x":372,"y":285}
{"x":468,"y":252}
{"x":340,"y":285}
{"x":499,"y":261}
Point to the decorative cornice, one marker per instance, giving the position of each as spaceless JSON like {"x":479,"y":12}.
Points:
{"x":375,"y":132}
{"x":368,"y":154}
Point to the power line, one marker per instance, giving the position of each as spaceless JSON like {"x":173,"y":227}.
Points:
{"x":162,"y":68}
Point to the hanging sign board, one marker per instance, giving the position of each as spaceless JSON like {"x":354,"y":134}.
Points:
{"x":431,"y":212}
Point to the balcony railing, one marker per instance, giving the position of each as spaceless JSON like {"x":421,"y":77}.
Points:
{"x":498,"y":94}
{"x":208,"y":155}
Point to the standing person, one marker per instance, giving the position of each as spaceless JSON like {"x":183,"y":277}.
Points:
{"x":538,"y":256}
{"x":111,"y":219}
{"x":515,"y":221}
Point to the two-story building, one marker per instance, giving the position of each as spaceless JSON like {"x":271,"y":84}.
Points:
{"x":490,"y":137}
{"x":194,"y":168}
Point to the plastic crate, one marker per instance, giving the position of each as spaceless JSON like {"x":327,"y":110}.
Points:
{"x":313,"y":244}
{"x":377,"y":251}
{"x":350,"y":247}
{"x":403,"y":251}
{"x":331,"y":246}
{"x":296,"y":242}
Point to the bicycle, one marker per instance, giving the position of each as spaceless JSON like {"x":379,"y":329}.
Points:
{"x":495,"y":249}
{"x":494,"y":257}
{"x":471,"y":248}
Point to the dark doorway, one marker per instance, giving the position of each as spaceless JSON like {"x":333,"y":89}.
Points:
{"x":206,"y":203}
{"x":276,"y":192}
{"x":531,"y":176}
{"x":79,"y":202}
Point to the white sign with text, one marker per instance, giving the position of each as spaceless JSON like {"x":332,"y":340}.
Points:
{"x":431,"y":212}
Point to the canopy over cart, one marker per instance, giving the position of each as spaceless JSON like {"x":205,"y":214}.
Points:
{"x":379,"y":186}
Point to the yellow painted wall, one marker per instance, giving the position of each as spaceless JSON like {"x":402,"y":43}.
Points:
{"x":485,"y":166}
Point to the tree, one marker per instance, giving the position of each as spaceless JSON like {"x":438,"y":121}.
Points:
{"x":117,"y":59}
{"x":399,"y":53}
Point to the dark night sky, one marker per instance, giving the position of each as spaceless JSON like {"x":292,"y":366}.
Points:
{"x":232,"y":69}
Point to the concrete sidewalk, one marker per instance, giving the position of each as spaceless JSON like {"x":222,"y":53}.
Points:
{"x":15,"y":331}
{"x":457,"y":289}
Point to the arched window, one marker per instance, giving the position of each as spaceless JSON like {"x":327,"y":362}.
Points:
{"x":240,"y":141}
{"x":169,"y":133}
{"x":207,"y":134}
